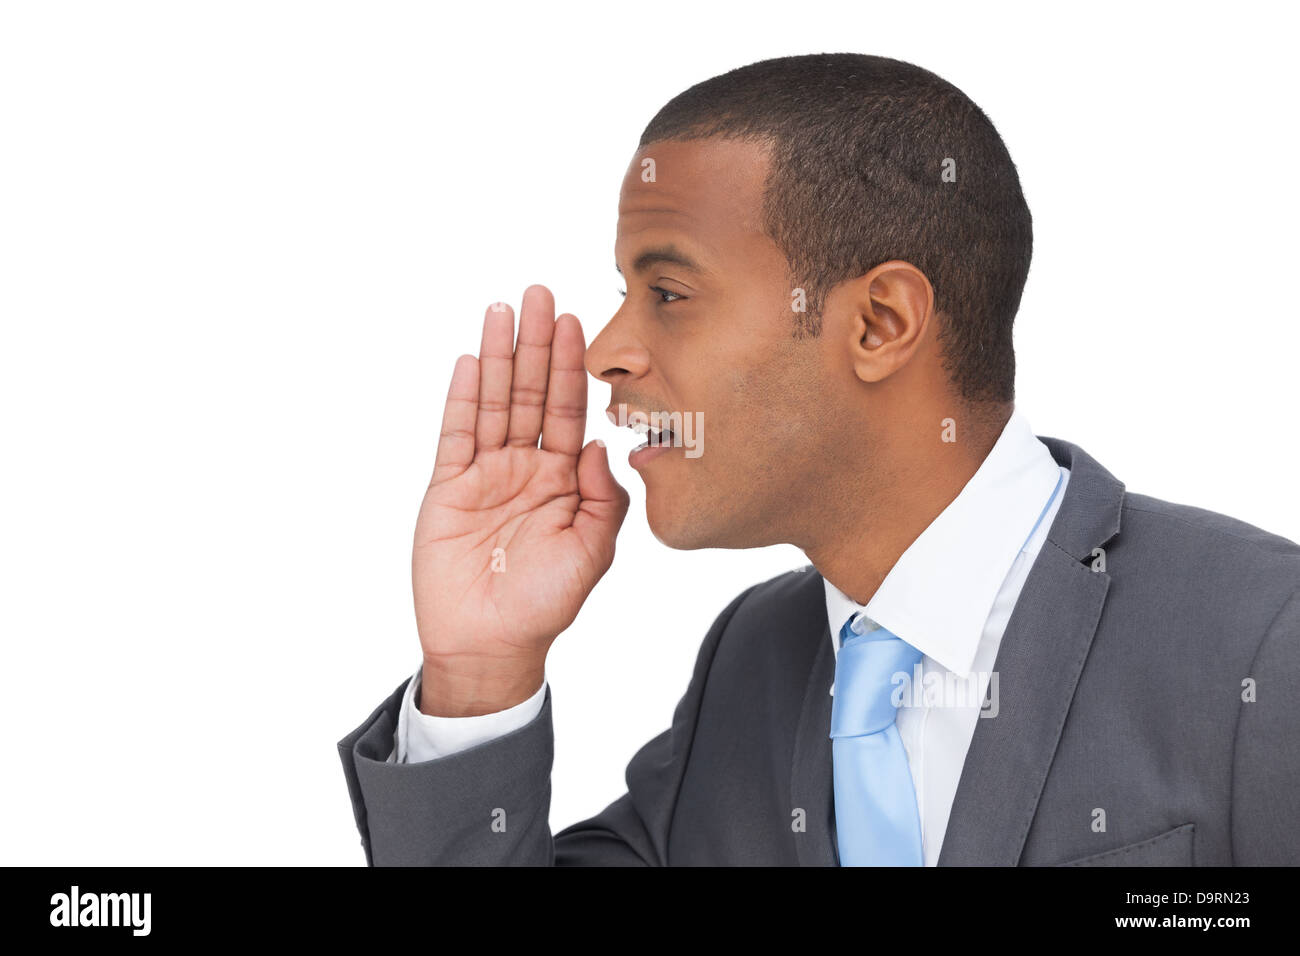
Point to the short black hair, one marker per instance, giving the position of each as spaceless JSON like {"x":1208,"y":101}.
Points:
{"x":858,"y":146}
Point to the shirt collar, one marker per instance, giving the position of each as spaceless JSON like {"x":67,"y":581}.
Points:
{"x":939,"y":593}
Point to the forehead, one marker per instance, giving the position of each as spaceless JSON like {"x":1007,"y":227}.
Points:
{"x":707,"y":193}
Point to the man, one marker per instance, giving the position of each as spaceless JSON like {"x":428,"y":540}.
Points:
{"x":998,"y":655}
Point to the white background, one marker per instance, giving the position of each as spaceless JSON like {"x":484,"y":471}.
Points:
{"x":241,"y":245}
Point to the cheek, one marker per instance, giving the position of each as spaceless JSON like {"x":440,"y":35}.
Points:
{"x":775,"y":401}
{"x":760,"y":391}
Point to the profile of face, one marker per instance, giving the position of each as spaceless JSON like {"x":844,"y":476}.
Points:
{"x":706,"y":329}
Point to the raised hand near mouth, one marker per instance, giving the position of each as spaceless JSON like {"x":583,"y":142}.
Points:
{"x":513,"y":534}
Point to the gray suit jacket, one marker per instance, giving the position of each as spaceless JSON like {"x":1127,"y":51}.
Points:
{"x":1125,"y":690}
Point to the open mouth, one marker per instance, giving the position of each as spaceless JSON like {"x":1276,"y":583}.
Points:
{"x":654,"y":435}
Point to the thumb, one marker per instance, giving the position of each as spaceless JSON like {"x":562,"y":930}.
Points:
{"x":604,"y":501}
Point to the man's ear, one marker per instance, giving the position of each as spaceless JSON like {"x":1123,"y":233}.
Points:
{"x":889,"y":310}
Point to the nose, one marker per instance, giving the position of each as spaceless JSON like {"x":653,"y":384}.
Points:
{"x":615,"y":354}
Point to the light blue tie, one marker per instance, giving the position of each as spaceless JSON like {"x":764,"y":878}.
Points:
{"x":876,"y":818}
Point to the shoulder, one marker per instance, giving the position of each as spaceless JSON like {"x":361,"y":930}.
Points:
{"x":1196,"y":564}
{"x":1184,"y":534}
{"x":791,"y":592}
{"x":785,"y":606}
{"x":1210,"y":528}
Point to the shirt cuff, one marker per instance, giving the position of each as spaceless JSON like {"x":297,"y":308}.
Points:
{"x":421,"y":736}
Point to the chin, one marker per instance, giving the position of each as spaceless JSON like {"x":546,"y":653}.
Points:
{"x":671,"y":534}
{"x":685,"y":530}
{"x":676,"y":528}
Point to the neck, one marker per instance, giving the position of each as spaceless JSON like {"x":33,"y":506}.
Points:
{"x":911,"y":483}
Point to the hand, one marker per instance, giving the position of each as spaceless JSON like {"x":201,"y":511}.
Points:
{"x":511,"y":537}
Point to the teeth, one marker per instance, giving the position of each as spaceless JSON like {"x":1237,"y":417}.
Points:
{"x":653,"y":434}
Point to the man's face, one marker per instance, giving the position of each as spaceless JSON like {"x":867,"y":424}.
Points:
{"x":713,"y":341}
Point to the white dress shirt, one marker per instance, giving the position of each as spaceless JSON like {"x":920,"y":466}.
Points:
{"x":950,"y":595}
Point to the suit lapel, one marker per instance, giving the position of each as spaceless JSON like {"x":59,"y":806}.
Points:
{"x":1038,"y":664}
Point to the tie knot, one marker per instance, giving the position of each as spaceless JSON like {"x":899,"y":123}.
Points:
{"x":868,"y":668}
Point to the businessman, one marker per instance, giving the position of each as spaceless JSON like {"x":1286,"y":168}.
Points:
{"x":997,"y":655}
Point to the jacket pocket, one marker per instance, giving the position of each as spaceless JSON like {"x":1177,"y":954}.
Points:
{"x":1171,"y":848}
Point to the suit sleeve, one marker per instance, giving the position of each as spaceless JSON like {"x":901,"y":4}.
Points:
{"x":421,"y":736}
{"x":489,"y":805}
{"x":1266,"y":763}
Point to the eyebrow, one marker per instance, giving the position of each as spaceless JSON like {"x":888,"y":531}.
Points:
{"x":661,"y":254}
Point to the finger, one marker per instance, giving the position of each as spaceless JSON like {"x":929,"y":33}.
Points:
{"x":565,"y":417}
{"x":532,"y":360}
{"x":456,"y":441}
{"x":496,"y":359}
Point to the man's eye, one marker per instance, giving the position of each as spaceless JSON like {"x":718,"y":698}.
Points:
{"x":661,"y":292}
